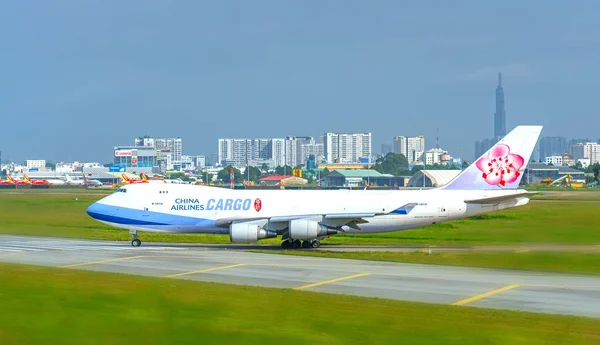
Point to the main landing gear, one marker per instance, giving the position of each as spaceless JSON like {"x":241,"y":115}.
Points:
{"x":295,"y":244}
{"x":135,"y":241}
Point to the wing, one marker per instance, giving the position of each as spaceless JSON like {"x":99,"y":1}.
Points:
{"x":334,"y":221}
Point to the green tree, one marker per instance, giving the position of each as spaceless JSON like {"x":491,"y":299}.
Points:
{"x":50,"y":165}
{"x":255,"y":174}
{"x":595,"y":168}
{"x":264,"y":168}
{"x":223,"y":175}
{"x":392,"y":163}
{"x":283,"y":170}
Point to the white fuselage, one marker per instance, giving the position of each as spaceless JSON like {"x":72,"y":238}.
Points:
{"x":202,"y":209}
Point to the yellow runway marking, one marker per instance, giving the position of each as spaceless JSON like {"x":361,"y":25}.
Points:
{"x":102,"y":261}
{"x":202,"y":271}
{"x":330,"y":281}
{"x":484,"y":295}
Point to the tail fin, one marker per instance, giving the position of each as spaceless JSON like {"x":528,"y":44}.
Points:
{"x":125,"y":178}
{"x":502,"y":166}
{"x":10,"y":179}
{"x":26,"y":178}
{"x":68,"y":178}
{"x":144,"y":177}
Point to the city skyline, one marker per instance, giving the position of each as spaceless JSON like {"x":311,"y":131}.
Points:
{"x":86,"y":76}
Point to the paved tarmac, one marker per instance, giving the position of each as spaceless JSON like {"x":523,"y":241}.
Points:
{"x":503,"y":289}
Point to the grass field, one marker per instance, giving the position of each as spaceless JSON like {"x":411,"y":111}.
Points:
{"x":573,"y":221}
{"x":62,"y":306}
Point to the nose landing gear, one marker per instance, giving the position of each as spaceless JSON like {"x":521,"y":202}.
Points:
{"x":135,"y":241}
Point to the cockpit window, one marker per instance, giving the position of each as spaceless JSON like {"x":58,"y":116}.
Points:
{"x":122,"y":190}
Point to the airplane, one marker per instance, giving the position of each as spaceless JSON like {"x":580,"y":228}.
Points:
{"x":83,"y":182}
{"x":304,"y":217}
{"x":5,"y":182}
{"x":35,"y":182}
{"x":128,"y":180}
{"x":16,"y":182}
{"x":144,"y":179}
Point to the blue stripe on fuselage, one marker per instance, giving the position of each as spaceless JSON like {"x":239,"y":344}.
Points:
{"x":130,"y":216}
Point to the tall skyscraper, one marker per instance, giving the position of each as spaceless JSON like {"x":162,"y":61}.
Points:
{"x":347,"y":147}
{"x":481,"y":146}
{"x":500,"y":115}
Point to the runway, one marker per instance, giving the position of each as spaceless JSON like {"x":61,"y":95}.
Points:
{"x":502,"y":289}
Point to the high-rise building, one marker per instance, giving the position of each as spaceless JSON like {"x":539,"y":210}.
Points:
{"x":347,"y":147}
{"x":415,"y":146}
{"x":411,"y":147}
{"x":591,"y":151}
{"x":174,"y":145}
{"x":500,"y":115}
{"x":241,"y":152}
{"x":482,"y":146}
{"x":293,"y":150}
{"x":400,"y":145}
{"x":552,"y":146}
{"x":278,"y":151}
{"x":314,"y":149}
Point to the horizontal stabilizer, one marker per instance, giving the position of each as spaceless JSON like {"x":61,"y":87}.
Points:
{"x":499,"y":199}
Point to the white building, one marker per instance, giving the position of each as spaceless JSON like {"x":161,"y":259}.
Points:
{"x":554,"y":160}
{"x":415,"y":148}
{"x":411,"y":147}
{"x":315,"y":149}
{"x":35,"y":164}
{"x":297,"y":150}
{"x":437,"y":156}
{"x":278,"y":151}
{"x":592,"y":151}
{"x":347,"y":147}
{"x":175,"y":145}
{"x":240,"y":152}
{"x":200,"y":162}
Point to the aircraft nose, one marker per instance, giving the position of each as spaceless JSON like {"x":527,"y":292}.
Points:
{"x":94,"y":210}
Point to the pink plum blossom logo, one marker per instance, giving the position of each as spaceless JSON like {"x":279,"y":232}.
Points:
{"x":500,"y":166}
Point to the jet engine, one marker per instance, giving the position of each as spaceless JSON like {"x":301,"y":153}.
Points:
{"x":244,"y":232}
{"x":305,"y":229}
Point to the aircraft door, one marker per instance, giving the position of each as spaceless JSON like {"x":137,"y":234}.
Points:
{"x":442,"y":211}
{"x":146,"y":212}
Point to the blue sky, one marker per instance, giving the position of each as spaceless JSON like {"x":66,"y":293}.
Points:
{"x":82,"y":76}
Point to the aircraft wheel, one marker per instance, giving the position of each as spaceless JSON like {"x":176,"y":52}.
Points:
{"x":316,"y":244}
{"x":286,"y":244}
{"x":305,"y":244}
{"x":296,"y":244}
{"x":136,"y":243}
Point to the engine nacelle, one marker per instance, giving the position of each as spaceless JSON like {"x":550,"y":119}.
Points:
{"x":243,"y":232}
{"x":305,"y":229}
